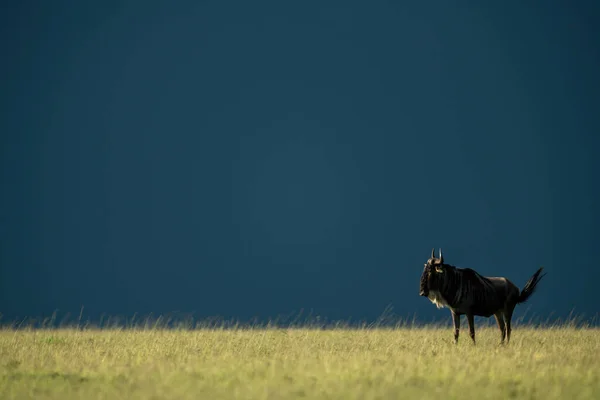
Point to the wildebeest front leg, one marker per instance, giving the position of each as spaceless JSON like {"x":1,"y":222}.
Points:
{"x":471,"y":320}
{"x":456,"y":321}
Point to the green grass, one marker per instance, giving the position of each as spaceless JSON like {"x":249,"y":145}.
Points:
{"x":420,"y":363}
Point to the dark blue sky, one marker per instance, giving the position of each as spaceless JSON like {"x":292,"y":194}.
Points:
{"x":250,"y":159}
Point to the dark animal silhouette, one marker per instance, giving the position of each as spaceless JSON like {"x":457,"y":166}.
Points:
{"x":466,"y":292}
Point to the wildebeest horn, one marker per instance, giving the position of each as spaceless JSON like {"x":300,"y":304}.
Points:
{"x":433,"y":253}
{"x":441,"y":256}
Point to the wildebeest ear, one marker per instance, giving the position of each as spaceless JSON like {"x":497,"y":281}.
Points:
{"x":439,"y":269}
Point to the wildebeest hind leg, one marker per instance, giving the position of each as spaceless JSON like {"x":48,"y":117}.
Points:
{"x":500,"y":320}
{"x":507,"y":318}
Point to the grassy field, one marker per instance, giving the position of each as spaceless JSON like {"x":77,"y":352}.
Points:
{"x":421,"y":363}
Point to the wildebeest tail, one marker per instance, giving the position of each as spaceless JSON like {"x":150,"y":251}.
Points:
{"x":529,"y":287}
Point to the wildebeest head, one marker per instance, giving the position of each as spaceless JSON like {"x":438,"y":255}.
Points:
{"x":431,"y":273}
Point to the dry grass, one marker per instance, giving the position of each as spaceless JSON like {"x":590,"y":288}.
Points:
{"x":556,"y":363}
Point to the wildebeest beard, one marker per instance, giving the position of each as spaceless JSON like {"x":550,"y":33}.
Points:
{"x":424,"y":289}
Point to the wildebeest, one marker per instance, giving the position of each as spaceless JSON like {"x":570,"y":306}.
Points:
{"x":464,"y":291}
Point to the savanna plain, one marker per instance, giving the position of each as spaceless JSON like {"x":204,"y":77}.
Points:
{"x":559,"y":362}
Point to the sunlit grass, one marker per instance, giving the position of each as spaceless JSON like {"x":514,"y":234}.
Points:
{"x":552,"y":363}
